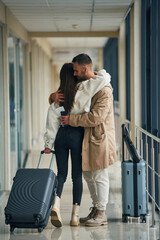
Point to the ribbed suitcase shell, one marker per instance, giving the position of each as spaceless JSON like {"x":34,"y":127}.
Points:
{"x":31,"y":198}
{"x":134,"y":201}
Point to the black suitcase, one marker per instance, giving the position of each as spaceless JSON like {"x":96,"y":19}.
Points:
{"x":134,"y":198}
{"x":31,"y":198}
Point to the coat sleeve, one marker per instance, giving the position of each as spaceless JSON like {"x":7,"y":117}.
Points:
{"x":98,"y":112}
{"x":52,"y":125}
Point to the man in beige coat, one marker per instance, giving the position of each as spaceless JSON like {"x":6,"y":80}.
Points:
{"x":99,"y":150}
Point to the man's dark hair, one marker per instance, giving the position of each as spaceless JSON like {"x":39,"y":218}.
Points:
{"x":82,"y":59}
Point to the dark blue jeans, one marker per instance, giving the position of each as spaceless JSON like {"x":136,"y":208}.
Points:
{"x":69,"y":139}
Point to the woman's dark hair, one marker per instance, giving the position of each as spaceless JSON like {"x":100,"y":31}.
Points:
{"x":68,"y":86}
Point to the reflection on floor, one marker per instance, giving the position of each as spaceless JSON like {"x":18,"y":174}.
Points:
{"x":134,"y":230}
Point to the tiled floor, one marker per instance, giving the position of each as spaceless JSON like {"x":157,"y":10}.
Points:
{"x":115,"y":229}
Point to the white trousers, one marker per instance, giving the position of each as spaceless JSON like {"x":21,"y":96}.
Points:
{"x":98,"y":184}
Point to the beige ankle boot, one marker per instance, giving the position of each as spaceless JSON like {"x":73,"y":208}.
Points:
{"x":98,"y":219}
{"x":75,"y":215}
{"x":55,"y":213}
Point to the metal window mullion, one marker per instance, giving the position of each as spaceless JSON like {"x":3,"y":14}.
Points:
{"x":141,"y":145}
{"x":159,"y":183}
{"x":153,"y":182}
{"x":147,"y":185}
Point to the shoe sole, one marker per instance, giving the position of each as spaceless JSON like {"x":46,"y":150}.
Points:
{"x":55,"y":220}
{"x":95,"y":224}
{"x":74,"y":224}
{"x":83,"y":222}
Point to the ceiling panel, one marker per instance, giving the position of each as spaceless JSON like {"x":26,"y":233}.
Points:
{"x":78,"y":42}
{"x":61,"y":15}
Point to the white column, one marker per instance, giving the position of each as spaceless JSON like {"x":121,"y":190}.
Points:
{"x":135,"y":66}
{"x":122,"y":71}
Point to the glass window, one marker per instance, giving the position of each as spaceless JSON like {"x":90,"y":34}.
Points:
{"x":1,"y":115}
{"x":22,"y":106}
{"x":150,"y":65}
{"x":128,"y":95}
{"x":150,"y":69}
{"x":110,"y":62}
{"x":13,"y":104}
{"x":18,"y":99}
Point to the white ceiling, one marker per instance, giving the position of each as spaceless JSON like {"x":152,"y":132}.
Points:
{"x":61,"y":15}
{"x":93,"y":42}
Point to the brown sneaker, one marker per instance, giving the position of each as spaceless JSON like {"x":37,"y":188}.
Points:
{"x":98,"y":219}
{"x":91,"y":214}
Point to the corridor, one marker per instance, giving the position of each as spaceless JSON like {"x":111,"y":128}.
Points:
{"x":121,"y":36}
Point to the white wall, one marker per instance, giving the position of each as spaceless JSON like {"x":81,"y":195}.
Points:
{"x":135,"y":67}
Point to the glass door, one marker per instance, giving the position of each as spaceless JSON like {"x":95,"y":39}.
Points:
{"x":1,"y":115}
{"x":22,"y":140}
{"x":13,"y":104}
{"x":18,"y":129}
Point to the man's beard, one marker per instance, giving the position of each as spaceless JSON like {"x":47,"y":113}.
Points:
{"x":82,"y":78}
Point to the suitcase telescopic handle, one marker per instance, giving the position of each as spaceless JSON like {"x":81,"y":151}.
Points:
{"x":40,"y":159}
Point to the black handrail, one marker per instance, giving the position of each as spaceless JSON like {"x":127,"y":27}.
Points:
{"x":130,"y":146}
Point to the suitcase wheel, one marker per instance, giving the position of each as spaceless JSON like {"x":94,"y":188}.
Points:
{"x":40,"y":229}
{"x":7,"y":220}
{"x":37,"y":219}
{"x":12,"y":229}
{"x":144,"y":219}
{"x":37,"y":222}
{"x":124,"y":218}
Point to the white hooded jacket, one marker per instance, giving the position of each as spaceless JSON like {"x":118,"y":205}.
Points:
{"x":82,"y":102}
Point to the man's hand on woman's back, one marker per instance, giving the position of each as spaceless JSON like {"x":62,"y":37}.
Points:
{"x":56,"y":97}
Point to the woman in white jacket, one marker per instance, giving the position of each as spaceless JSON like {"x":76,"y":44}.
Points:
{"x":77,"y":99}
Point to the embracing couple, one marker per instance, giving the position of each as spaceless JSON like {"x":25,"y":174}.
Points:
{"x":86,"y":131}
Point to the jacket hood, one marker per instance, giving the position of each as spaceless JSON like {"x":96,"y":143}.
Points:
{"x":105,"y":75}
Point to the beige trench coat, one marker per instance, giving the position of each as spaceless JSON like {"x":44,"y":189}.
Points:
{"x":99,"y":148}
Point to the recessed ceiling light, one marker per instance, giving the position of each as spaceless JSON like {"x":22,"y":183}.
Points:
{"x":74,"y":26}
